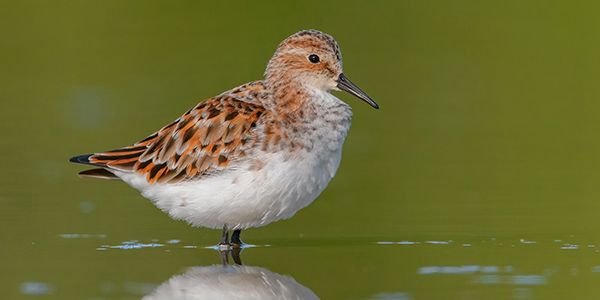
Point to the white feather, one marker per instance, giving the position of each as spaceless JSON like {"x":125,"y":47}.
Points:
{"x":245,"y":197}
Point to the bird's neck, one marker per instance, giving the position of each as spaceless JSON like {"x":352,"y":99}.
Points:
{"x":304,"y":117}
{"x":291,"y":98}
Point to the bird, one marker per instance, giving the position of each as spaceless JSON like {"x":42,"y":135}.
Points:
{"x":252,"y":155}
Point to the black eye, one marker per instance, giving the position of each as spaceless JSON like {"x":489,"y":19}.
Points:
{"x":313,"y":58}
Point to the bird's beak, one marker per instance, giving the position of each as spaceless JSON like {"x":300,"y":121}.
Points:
{"x":346,"y":85}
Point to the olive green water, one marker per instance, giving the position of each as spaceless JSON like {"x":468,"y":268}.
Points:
{"x":477,"y":179}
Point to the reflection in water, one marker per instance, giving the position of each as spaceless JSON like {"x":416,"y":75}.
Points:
{"x":230,"y":282}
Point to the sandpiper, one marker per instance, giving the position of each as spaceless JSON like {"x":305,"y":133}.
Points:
{"x":252,"y":155}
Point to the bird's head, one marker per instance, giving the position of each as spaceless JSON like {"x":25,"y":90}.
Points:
{"x":312,"y":59}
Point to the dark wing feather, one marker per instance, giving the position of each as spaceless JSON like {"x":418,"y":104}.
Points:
{"x":98,"y":173}
{"x":204,"y":140}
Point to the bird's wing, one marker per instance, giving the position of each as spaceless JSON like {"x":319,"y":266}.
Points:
{"x":206,"y":139}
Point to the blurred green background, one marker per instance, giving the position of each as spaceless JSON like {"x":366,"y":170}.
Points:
{"x":485,"y":145}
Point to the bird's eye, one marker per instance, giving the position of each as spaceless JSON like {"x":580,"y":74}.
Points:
{"x":313,"y":58}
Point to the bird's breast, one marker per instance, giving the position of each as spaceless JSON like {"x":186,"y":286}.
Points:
{"x":320,"y":125}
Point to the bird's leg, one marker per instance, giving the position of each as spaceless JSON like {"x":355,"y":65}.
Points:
{"x":224,"y":244}
{"x":224,"y":257}
{"x":236,"y":242}
{"x":235,"y":254}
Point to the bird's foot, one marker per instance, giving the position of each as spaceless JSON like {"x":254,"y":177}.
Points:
{"x":225,"y":246}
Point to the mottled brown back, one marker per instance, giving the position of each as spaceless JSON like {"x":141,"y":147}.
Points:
{"x":204,"y":140}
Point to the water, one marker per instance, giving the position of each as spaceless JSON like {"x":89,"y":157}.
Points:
{"x":470,"y":268}
{"x":477,"y":178}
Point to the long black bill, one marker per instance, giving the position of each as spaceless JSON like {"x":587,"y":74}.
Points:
{"x":346,"y":85}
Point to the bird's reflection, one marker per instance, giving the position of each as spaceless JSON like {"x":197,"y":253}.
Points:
{"x":234,"y":281}
{"x":236,"y":255}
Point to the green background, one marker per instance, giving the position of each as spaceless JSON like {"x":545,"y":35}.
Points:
{"x":487,"y":140}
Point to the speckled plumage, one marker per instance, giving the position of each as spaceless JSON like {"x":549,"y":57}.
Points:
{"x":252,"y":155}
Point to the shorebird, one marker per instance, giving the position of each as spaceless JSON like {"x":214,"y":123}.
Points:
{"x":252,"y":155}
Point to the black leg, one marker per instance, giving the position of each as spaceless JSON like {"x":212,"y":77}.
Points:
{"x":225,"y":248}
{"x":224,"y":236}
{"x":235,"y":237}
{"x":236,"y":255}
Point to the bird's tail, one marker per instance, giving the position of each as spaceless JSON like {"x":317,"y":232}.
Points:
{"x":92,"y":173}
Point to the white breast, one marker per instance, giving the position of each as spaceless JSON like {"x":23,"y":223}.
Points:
{"x":246,"y":197}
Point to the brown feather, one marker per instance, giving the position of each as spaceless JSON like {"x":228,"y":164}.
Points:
{"x":204,"y":140}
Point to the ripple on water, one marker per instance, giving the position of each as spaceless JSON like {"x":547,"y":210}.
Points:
{"x":439,"y":242}
{"x":391,"y":296}
{"x":128,"y":245}
{"x":243,"y":246}
{"x":569,"y":247}
{"x":82,"y":236}
{"x":465,"y":269}
{"x":36,"y":288}
{"x":398,"y":243}
{"x":520,"y":280}
{"x":524,"y":241}
{"x":417,"y":243}
{"x":562,"y":244}
{"x":487,"y":275}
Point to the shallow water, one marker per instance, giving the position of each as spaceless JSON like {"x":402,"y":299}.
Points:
{"x":98,"y":267}
{"x":477,"y":178}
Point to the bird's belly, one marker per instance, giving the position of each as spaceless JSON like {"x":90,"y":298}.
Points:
{"x":248,"y":196}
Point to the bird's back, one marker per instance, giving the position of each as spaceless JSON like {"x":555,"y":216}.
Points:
{"x":210,"y":137}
